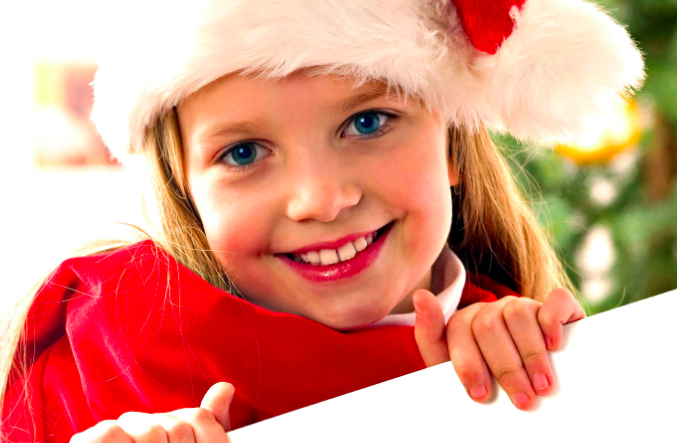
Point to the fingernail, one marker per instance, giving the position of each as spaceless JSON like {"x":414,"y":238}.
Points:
{"x":478,"y":391}
{"x":520,"y":400}
{"x":540,"y":382}
{"x":548,"y":342}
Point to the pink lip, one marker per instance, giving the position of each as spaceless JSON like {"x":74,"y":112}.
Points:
{"x":331,"y":244}
{"x":340,"y":270}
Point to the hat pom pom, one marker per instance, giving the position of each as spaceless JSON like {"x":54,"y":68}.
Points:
{"x":564,"y":63}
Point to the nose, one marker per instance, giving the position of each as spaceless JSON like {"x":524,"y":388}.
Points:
{"x":320,"y":192}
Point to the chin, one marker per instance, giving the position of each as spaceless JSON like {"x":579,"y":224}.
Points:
{"x":350,"y":321}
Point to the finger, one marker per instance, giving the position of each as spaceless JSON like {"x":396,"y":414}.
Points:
{"x":429,"y":328}
{"x":465,"y":355}
{"x":178,"y":431}
{"x":212,"y":419}
{"x":501,"y":355}
{"x":205,"y":426}
{"x":520,"y":317}
{"x":217,"y":400}
{"x":559,"y":308}
{"x":107,"y":431}
{"x":142,"y":428}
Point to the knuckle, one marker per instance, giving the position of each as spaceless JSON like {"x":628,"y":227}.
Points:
{"x":201,"y":417}
{"x":155,"y":433}
{"x":563,"y":293}
{"x":180,"y":431}
{"x":516,"y":309}
{"x":111,"y":432}
{"x":457,"y":322}
{"x":507,"y":375}
{"x":559,"y":296}
{"x":467,"y":373}
{"x":464,"y":316}
{"x":484,"y":324}
{"x":455,"y":331}
{"x":546,"y":319}
{"x":533,"y":358}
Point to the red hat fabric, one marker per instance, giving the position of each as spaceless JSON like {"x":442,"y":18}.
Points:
{"x":487,"y":24}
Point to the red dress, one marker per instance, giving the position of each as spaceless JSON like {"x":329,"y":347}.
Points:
{"x":133,"y":330}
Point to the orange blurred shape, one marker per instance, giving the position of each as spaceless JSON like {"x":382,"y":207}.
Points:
{"x":618,"y":131}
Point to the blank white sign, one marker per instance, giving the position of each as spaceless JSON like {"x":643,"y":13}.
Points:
{"x":614,"y":382}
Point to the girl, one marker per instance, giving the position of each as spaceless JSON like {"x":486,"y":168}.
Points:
{"x":323,"y":180}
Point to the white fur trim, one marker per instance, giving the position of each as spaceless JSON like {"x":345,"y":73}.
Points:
{"x":563,"y":59}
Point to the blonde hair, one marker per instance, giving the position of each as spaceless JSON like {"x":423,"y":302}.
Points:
{"x":493,"y":224}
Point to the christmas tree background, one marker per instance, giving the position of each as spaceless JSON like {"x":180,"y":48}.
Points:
{"x":611,"y":206}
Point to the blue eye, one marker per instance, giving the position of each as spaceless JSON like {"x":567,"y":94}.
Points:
{"x":368,"y":123}
{"x":243,"y":155}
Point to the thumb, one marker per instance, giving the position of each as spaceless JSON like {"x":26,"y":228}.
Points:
{"x":217,"y":401}
{"x":429,"y":329}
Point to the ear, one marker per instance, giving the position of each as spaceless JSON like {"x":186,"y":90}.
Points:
{"x":454,"y":178}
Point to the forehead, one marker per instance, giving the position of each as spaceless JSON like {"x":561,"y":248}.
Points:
{"x":245,"y":101}
{"x":303,"y":86}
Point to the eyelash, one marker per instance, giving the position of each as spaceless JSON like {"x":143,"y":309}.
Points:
{"x":381,"y":130}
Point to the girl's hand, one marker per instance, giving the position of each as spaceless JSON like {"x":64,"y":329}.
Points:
{"x":510,"y":337}
{"x":206,"y":424}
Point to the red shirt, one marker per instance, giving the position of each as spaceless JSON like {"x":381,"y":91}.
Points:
{"x":133,"y":330}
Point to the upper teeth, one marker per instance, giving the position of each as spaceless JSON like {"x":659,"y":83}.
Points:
{"x":332,"y":256}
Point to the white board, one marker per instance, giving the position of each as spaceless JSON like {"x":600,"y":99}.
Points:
{"x":615,"y":381}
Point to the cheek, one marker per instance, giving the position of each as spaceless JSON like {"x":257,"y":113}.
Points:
{"x":419,"y":187}
{"x":430,"y":216}
{"x":417,"y":179}
{"x":233,"y":226}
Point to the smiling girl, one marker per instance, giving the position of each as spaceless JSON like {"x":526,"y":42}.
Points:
{"x":331,"y":214}
{"x":324,"y":213}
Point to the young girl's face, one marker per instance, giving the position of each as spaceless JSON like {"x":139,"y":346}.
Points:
{"x":309,"y":166}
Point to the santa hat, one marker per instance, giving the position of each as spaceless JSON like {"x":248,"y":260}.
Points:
{"x":539,"y":69}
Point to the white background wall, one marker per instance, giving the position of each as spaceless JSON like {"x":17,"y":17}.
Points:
{"x":46,"y":213}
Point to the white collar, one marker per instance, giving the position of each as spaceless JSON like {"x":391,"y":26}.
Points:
{"x":448,"y":280}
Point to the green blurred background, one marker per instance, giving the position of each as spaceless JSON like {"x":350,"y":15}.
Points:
{"x":612,"y":210}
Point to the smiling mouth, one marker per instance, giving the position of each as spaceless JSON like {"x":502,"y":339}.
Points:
{"x":347,"y":252}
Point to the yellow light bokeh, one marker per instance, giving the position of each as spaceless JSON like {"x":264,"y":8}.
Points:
{"x":616,"y":132}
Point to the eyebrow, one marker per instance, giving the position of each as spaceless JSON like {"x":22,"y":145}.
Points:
{"x":218,"y":130}
{"x":343,"y":106}
{"x":245,"y":128}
